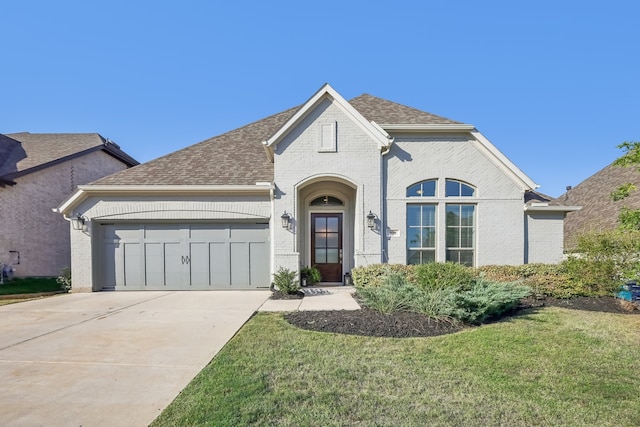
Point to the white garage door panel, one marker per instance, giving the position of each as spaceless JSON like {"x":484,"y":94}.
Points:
{"x":177,"y":257}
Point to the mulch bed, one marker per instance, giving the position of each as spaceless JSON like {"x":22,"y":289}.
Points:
{"x":368,"y":322}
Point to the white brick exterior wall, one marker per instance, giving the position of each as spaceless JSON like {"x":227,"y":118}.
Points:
{"x":87,"y":245}
{"x":353,"y":170}
{"x":499,"y":201}
{"x":545,"y":238}
{"x":27,"y":223}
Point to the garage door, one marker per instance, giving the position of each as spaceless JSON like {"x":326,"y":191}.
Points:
{"x":183,"y":257}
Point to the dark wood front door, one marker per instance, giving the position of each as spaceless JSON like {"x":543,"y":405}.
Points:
{"x":326,"y":245}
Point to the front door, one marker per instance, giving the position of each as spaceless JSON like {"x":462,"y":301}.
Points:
{"x":326,"y":245}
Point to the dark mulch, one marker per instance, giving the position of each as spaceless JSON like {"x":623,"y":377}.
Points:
{"x":284,"y":295}
{"x":368,"y":322}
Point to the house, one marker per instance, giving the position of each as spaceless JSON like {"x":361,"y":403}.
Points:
{"x":332,"y":183}
{"x":37,"y":172}
{"x":599,"y":212}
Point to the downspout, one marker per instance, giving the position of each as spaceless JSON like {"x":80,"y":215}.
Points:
{"x":383,"y":197}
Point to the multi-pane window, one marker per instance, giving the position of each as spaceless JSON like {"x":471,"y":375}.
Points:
{"x":422,"y":189}
{"x":421,"y":233}
{"x":457,"y":230}
{"x":460,"y":225}
{"x":455,"y":188}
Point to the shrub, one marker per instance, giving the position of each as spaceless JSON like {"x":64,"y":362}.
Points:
{"x":544,"y":279}
{"x":393,"y":293}
{"x":312,"y":273}
{"x":442,"y":275}
{"x":372,"y":275}
{"x":64,"y":279}
{"x":604,"y":260}
{"x":486,"y":300}
{"x":285,"y":281}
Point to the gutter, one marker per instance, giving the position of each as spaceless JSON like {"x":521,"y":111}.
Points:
{"x":85,"y":191}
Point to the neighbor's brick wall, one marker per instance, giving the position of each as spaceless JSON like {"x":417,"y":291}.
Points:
{"x":499,"y":201}
{"x":27,"y":222}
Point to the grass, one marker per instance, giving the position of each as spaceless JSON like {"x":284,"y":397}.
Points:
{"x":29,"y":285}
{"x":553,"y":367}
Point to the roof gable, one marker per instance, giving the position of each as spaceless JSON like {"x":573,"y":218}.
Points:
{"x":327,"y":92}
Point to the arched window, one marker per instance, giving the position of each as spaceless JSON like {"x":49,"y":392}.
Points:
{"x":422,"y":189}
{"x":454,"y":188}
{"x":326,"y":201}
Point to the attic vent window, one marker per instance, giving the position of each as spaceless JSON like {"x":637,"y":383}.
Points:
{"x":327,"y":201}
{"x":328,"y":138}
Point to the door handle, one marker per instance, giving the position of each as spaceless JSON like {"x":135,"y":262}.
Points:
{"x":340,"y":256}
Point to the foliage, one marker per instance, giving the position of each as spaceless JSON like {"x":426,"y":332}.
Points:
{"x":285,"y":281}
{"x":312,"y":273}
{"x":487,"y":300}
{"x":441,"y":275}
{"x":459,"y":296}
{"x":628,"y":218}
{"x":394,"y":293}
{"x":372,"y":275}
{"x":604,"y":260}
{"x":544,"y":279}
{"x":64,"y":279}
{"x":29,"y":285}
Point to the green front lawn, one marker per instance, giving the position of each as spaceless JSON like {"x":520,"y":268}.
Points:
{"x":29,"y":285}
{"x":550,"y":368}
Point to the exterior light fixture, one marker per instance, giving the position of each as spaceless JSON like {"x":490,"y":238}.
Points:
{"x":77,"y":222}
{"x":371,"y":220}
{"x":286,"y":219}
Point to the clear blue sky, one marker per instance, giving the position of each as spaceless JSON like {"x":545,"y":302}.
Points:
{"x":555,"y":85}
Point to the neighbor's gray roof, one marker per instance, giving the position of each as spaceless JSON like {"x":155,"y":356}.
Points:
{"x":238,"y":157}
{"x":23,"y":153}
{"x":599,"y":211}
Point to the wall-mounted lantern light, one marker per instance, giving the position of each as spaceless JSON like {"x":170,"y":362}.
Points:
{"x":371,"y":220}
{"x":77,"y":222}
{"x":286,"y":220}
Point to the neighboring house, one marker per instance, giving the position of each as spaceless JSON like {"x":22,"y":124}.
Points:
{"x":599,"y":212}
{"x":37,"y":172}
{"x":331,"y":183}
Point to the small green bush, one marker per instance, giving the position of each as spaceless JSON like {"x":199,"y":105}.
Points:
{"x":64,"y":279}
{"x":442,"y":275}
{"x":312,"y":273}
{"x":285,"y":281}
{"x":486,"y":300}
{"x":544,"y":279}
{"x":372,"y":275}
{"x":394,"y":293}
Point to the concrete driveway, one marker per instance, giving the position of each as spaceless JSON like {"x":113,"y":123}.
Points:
{"x":112,"y":358}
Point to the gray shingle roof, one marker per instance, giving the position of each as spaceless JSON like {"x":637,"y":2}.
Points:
{"x":238,"y":157}
{"x":21,"y":153}
{"x":382,"y":111}
{"x":599,"y":211}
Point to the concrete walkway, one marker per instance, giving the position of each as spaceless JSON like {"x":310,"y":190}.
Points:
{"x":317,"y":298}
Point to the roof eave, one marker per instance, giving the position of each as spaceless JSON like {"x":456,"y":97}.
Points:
{"x":85,"y":191}
{"x":503,"y":162}
{"x":435,"y":127}
{"x":531,"y":208}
